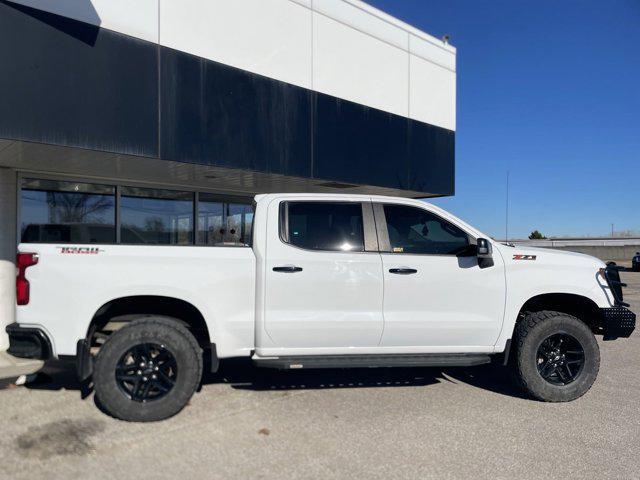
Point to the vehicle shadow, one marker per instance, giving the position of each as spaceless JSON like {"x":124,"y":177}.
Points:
{"x":59,"y":375}
{"x":241,"y":374}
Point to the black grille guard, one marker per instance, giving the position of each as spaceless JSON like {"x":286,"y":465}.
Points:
{"x":612,"y":276}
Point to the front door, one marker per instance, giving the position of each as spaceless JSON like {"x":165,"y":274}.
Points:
{"x":323,"y":277}
{"x":435,"y":293}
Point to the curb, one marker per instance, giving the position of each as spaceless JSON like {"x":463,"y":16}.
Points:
{"x":12,"y":367}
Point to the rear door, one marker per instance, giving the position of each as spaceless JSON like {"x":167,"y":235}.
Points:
{"x":324,"y":282}
{"x":436,"y":296}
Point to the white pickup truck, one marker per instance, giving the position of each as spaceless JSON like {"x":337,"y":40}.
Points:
{"x":328,"y":281}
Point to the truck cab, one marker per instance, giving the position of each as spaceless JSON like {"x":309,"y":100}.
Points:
{"x":356,"y":276}
{"x":327,"y":281}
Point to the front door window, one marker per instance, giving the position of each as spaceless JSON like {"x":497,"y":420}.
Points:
{"x":417,"y":231}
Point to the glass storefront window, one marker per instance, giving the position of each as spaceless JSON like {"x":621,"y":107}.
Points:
{"x":53,"y":211}
{"x":67,"y":212}
{"x":248,"y":225}
{"x":210,"y":218}
{"x":158,"y":217}
{"x":221,"y":223}
{"x":237,"y":232}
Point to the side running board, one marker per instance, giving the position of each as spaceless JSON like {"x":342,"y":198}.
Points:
{"x":372,"y":361}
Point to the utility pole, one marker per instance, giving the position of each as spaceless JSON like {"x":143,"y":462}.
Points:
{"x":506,"y":222}
{"x":612,"y":230}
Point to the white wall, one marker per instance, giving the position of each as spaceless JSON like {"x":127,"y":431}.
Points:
{"x":356,"y":66}
{"x":137,"y":18}
{"x":7,"y":251}
{"x":344,"y":48}
{"x":269,"y":37}
{"x":432,"y":93}
{"x":7,"y":300}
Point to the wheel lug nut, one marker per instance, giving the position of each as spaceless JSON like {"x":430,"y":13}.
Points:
{"x":153,"y":376}
{"x":156,"y":369}
{"x":139,"y":372}
{"x":144,"y":379}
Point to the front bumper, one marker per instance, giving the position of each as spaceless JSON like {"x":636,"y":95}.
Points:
{"x":25,"y":342}
{"x":617,"y":322}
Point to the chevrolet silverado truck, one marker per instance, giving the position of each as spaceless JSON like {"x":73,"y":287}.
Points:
{"x":326,"y":281}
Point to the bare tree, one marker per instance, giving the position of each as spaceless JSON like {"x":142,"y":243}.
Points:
{"x":77,"y":207}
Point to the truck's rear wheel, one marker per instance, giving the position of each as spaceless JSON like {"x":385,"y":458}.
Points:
{"x":148,"y":370}
{"x":557,"y":356}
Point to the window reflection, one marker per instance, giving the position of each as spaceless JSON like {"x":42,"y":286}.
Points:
{"x":64,"y":212}
{"x":54,"y":211}
{"x":414,"y":230}
{"x":239,"y":218}
{"x":153,"y":216}
{"x":326,"y":226}
{"x":248,"y":224}
{"x":221,"y":223}
{"x":210,"y":226}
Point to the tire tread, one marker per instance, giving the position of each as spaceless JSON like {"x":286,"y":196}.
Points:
{"x":523,"y":328}
{"x":160,"y":323}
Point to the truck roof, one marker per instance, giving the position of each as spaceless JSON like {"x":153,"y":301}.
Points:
{"x":328,"y":196}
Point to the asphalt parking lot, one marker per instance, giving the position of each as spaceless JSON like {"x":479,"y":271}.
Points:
{"x":406,"y":423}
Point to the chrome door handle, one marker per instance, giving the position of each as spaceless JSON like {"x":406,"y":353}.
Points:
{"x":403,"y":271}
{"x":287,"y":269}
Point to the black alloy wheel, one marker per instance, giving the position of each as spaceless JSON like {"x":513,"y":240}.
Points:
{"x":146,"y":372}
{"x":560,"y":359}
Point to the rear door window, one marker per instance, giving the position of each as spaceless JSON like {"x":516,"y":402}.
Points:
{"x":326,"y":226}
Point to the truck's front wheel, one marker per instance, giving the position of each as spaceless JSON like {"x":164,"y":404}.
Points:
{"x":148,"y":370}
{"x":557,"y":356}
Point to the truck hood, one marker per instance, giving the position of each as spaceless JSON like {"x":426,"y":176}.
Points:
{"x":549,"y":256}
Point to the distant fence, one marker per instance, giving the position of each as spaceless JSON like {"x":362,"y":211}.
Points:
{"x":616,"y":249}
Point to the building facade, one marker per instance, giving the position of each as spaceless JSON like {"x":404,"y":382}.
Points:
{"x":156,"y":121}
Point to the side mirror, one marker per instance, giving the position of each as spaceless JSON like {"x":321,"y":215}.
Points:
{"x":485,"y":250}
{"x":485,"y":253}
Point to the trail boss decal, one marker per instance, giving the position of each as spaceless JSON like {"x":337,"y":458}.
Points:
{"x":81,"y":250}
{"x":524,"y":257}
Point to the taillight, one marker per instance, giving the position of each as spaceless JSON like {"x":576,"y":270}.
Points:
{"x":24,"y":261}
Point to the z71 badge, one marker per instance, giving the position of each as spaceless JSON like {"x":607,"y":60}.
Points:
{"x":524,"y":257}
{"x":81,"y":250}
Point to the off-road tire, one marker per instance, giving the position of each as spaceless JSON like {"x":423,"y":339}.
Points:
{"x":530,"y":332}
{"x":157,"y":330}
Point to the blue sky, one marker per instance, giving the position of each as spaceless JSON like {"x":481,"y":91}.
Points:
{"x":549,"y":90}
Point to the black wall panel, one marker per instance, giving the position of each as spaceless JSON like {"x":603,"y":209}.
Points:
{"x":69,"y":83}
{"x":431,"y":152}
{"x":216,"y":114}
{"x":358,"y":144}
{"x":220,"y":115}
